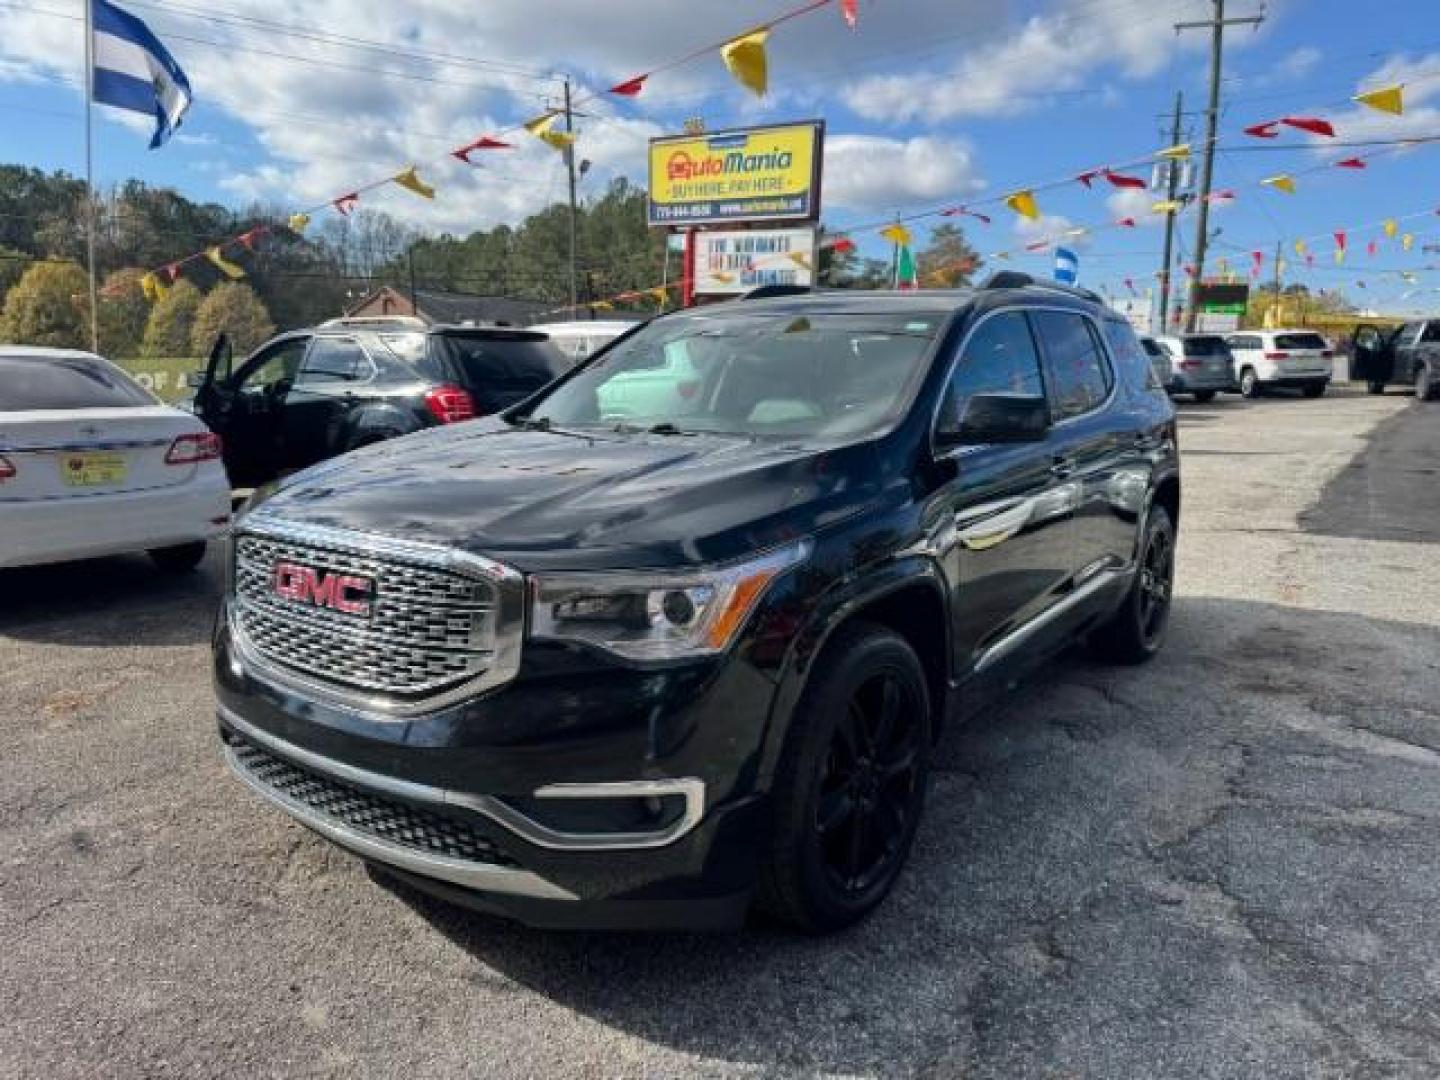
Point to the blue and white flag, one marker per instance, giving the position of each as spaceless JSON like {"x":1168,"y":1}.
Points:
{"x":1067,"y":266}
{"x":132,"y":70}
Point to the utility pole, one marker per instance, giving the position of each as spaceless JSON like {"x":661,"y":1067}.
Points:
{"x":1212,"y":117}
{"x":570,"y":167}
{"x":1172,"y":168}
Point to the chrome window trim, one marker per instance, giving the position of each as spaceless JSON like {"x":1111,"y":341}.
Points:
{"x":509,"y":618}
{"x":691,"y":789}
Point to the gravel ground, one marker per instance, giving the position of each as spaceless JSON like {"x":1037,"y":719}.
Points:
{"x":1225,"y":864}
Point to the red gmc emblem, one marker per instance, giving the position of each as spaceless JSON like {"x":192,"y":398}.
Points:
{"x":345,"y":593}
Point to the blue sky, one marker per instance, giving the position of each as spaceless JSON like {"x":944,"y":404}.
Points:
{"x":929,"y":103}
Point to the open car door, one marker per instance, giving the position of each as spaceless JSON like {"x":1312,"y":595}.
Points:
{"x":1373,"y":360}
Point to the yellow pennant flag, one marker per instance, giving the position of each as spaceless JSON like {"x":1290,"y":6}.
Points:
{"x":1023,"y":203}
{"x":1167,"y":206}
{"x":1390,"y":99}
{"x":1339,"y":255}
{"x":896,"y":234}
{"x":1175,"y":153}
{"x":151,"y":288}
{"x":1300,"y":248}
{"x":1407,"y":241}
{"x":410,"y":181}
{"x":1391,"y":227}
{"x":661,"y":295}
{"x":542,"y":127}
{"x":722,"y":277}
{"x":603,"y":305}
{"x":1284,"y":182}
{"x":298,"y":222}
{"x":745,"y":57}
{"x":225,"y":266}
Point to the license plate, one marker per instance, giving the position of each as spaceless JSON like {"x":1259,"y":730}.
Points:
{"x":92,"y":470}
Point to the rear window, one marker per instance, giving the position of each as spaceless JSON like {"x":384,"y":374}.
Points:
{"x":28,"y":383}
{"x":1204,"y":345}
{"x":528,"y":362}
{"x":1300,"y":341}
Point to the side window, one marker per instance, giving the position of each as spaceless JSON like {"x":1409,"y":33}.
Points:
{"x":1432,"y":332}
{"x":999,"y":358}
{"x":1129,"y":355}
{"x":332,"y":360}
{"x":1080,"y":379}
{"x":276,"y":364}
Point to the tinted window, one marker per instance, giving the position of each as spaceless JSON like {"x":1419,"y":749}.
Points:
{"x":48,"y":383}
{"x":1204,"y":345}
{"x":760,"y":373}
{"x":1432,"y":332}
{"x":1244,"y":341}
{"x":274,"y":364}
{"x":500,"y":371}
{"x":1080,"y":379}
{"x":1129,"y":354}
{"x":999,"y":358}
{"x":408,"y":347}
{"x":1152,"y":347}
{"x":333,"y":360}
{"x":1300,"y":341}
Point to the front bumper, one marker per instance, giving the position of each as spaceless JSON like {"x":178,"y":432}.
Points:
{"x":599,"y":796}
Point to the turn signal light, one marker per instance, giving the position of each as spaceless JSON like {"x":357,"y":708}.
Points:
{"x":193,"y":449}
{"x":450,"y":404}
{"x":7,"y":471}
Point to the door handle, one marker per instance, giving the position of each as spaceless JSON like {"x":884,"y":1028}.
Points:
{"x":1062,"y":466}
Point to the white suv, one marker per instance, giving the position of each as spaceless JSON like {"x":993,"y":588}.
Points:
{"x":1296,"y":359}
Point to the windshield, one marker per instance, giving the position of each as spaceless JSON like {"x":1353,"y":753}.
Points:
{"x":31,"y":383}
{"x":816,"y":374}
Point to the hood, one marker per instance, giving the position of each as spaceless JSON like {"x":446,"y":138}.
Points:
{"x":542,"y":499}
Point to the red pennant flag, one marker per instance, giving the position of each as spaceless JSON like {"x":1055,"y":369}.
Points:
{"x":1125,"y":222}
{"x":485,"y":142}
{"x":1037,"y":245}
{"x":172,"y":271}
{"x":1340,"y":239}
{"x":630,"y":87}
{"x":1309,"y":259}
{"x":1264,"y":131}
{"x":1088,"y":175}
{"x":1312,"y":124}
{"x":1351,"y":163}
{"x":1189,"y":270}
{"x":850,"y":9}
{"x":1130,"y":285}
{"x":1228,"y":195}
{"x":345,"y":203}
{"x":1258,"y":258}
{"x":247,"y":239}
{"x":1371,"y":248}
{"x":842,"y":245}
{"x":984,"y":219}
{"x":1120,"y":180}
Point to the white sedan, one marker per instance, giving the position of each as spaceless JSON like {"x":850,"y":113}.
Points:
{"x":92,"y":464}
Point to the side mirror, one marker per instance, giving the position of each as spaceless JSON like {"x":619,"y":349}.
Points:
{"x":999,"y":418}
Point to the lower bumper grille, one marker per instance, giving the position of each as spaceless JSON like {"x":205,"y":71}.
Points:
{"x":363,"y":811}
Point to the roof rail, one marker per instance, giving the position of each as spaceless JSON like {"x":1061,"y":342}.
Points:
{"x":361,"y":321}
{"x":1016,"y":279}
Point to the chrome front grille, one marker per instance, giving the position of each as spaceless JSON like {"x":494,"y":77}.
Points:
{"x":437,"y":620}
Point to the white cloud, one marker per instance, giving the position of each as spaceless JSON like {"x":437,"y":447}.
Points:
{"x":1298,"y":63}
{"x":869,"y":172}
{"x":1422,"y":102}
{"x":1134,"y":203}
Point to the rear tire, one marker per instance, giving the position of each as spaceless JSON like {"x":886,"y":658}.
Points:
{"x":1314,"y":390}
{"x":1425,"y":388}
{"x":1203,"y":396}
{"x":1135,"y":633}
{"x":1375,"y":387}
{"x":850,"y":788}
{"x":180,"y":559}
{"x":1249,"y":383}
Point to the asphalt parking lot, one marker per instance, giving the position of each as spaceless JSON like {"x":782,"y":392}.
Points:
{"x":1224,"y":864}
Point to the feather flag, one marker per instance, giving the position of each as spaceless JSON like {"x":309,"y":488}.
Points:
{"x":410,"y":180}
{"x":542,"y":127}
{"x":630,"y":87}
{"x":1120,"y":180}
{"x":1313,"y":124}
{"x":850,"y":11}
{"x":485,"y":142}
{"x":298,"y":222}
{"x":1023,"y":203}
{"x":1390,"y":99}
{"x":224,"y":265}
{"x":745,"y":57}
{"x":896,"y":234}
{"x":346,"y":203}
{"x":1284,"y":182}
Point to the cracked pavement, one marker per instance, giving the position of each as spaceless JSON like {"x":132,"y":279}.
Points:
{"x":1225,"y":864}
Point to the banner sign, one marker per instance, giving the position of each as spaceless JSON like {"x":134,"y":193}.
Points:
{"x":732,"y":263}
{"x":746,"y":174}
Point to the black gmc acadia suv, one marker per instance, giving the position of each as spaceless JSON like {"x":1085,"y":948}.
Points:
{"x":681,"y":630}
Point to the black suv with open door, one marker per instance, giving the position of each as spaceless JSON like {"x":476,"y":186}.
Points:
{"x":1409,"y":356}
{"x":681,"y":631}
{"x":309,"y":395}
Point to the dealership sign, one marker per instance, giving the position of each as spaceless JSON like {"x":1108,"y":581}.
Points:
{"x":749,"y":174}
{"x":729,"y":263}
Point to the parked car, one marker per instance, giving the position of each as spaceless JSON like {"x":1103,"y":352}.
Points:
{"x":593,"y":673}
{"x":1159,"y":360}
{"x":581,"y":339}
{"x":92,"y":464}
{"x":309,"y":395}
{"x":1200,"y":365}
{"x":1409,"y":356}
{"x":1295,"y":359}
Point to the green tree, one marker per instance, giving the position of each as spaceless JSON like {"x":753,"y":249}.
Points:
{"x":948,"y":261}
{"x":49,"y":305}
{"x":13,"y":263}
{"x":167,"y":330}
{"x":235,"y":310}
{"x":124,"y":312}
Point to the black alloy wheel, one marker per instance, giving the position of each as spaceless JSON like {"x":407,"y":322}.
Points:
{"x":1157,"y":584}
{"x":1135,"y":633}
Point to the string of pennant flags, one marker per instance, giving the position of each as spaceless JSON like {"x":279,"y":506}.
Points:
{"x":745,"y":57}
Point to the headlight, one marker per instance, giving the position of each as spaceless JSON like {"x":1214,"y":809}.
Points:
{"x":656,"y":616}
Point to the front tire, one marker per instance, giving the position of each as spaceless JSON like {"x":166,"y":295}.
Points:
{"x":1249,"y":383}
{"x":180,"y":559}
{"x":1425,"y":388}
{"x":1135,"y":633}
{"x":851,"y":783}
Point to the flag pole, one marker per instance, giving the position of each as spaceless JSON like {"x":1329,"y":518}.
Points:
{"x":90,"y":197}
